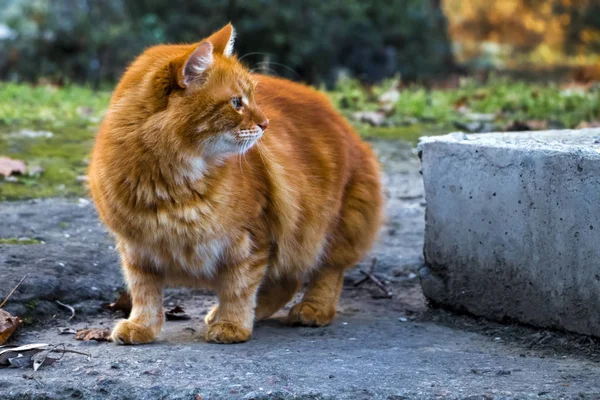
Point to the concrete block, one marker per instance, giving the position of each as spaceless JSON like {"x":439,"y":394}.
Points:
{"x":512,"y":226}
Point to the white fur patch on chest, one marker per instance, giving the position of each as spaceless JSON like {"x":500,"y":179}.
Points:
{"x":196,"y":168}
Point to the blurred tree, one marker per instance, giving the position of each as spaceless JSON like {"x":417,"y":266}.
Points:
{"x":525,"y":32}
{"x":312,"y":40}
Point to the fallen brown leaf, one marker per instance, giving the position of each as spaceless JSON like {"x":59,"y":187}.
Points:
{"x":8,"y":324}
{"x":461,"y":103}
{"x":97,"y":334}
{"x":590,"y":124}
{"x":123,"y":303}
{"x":8,"y":166}
{"x":176,"y":313}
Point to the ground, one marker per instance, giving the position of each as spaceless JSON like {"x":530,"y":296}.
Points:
{"x":377,"y":348}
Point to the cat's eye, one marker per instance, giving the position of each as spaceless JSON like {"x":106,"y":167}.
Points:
{"x":236,"y":102}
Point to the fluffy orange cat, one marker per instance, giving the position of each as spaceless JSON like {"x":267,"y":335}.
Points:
{"x":211,"y":175}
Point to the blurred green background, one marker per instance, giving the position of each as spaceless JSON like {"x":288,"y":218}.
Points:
{"x":398,"y":69}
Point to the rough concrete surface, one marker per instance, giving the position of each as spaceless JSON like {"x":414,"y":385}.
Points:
{"x":377,"y":348}
{"x":513,"y":226}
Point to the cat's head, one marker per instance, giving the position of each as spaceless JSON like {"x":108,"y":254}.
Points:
{"x":209,"y":98}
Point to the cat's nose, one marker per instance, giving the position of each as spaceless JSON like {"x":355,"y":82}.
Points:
{"x":264,"y":125}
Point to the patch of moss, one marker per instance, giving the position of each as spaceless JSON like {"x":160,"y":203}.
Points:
{"x":71,"y":114}
{"x":32,"y":304}
{"x":13,"y":240}
{"x":409,"y":133}
{"x":62,"y":158}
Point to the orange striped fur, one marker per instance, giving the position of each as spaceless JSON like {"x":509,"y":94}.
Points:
{"x":209,"y":175}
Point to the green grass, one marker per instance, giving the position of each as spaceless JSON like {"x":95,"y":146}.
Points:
{"x":13,"y":240}
{"x":72,"y":115}
{"x":503,"y":100}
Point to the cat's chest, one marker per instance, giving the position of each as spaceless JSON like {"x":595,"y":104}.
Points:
{"x":199,"y":258}
{"x":189,"y":239}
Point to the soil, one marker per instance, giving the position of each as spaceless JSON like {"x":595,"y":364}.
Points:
{"x":377,"y":348}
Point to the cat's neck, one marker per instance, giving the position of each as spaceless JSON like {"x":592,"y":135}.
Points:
{"x":154,"y":178}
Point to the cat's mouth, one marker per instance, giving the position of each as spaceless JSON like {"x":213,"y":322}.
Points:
{"x":250,"y":134}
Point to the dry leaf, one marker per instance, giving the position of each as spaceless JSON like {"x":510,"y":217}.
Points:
{"x":32,"y":355}
{"x":8,"y":352}
{"x":20,"y":361}
{"x":588,"y":124}
{"x":8,"y":166}
{"x":461,"y":104}
{"x":97,"y":334}
{"x":176,"y":313}
{"x":8,"y":324}
{"x":42,"y":358}
{"x":123,"y":303}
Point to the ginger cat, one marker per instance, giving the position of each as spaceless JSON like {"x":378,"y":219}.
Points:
{"x":210,"y":175}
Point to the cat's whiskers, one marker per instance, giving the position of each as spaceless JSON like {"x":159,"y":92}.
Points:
{"x":239,"y":156}
{"x":262,"y":151}
{"x":248,"y":146}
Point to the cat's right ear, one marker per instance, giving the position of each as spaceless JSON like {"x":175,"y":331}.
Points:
{"x":196,"y":65}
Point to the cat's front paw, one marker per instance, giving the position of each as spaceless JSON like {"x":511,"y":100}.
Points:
{"x":309,"y":314}
{"x":127,"y":332}
{"x":227,"y":332}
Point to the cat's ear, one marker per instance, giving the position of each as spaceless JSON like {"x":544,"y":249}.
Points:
{"x":196,"y":64}
{"x":223,"y":40}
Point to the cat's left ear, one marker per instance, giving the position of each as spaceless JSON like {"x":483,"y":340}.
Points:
{"x":196,"y":64}
{"x":223,"y":40}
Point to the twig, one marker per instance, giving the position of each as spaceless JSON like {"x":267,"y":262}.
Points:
{"x":74,"y":352}
{"x":369,"y":275}
{"x":371,"y":270}
{"x":69,"y":307}
{"x":12,"y":291}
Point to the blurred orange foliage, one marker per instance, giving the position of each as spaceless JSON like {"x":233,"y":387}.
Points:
{"x":517,"y":33}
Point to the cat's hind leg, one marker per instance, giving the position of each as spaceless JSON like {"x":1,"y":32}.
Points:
{"x":274,"y":294}
{"x":318,"y":305}
{"x":360,"y":218}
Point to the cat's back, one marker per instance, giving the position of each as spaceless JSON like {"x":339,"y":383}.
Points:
{"x":304,"y":107}
{"x":304,"y":121}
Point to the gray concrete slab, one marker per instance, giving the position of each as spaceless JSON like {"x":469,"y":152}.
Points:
{"x":513,"y":226}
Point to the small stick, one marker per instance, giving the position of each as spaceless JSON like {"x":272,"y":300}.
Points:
{"x":371,"y":270}
{"x":73,"y":351}
{"x":12,"y":291}
{"x":69,"y":307}
{"x":370,"y":276}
